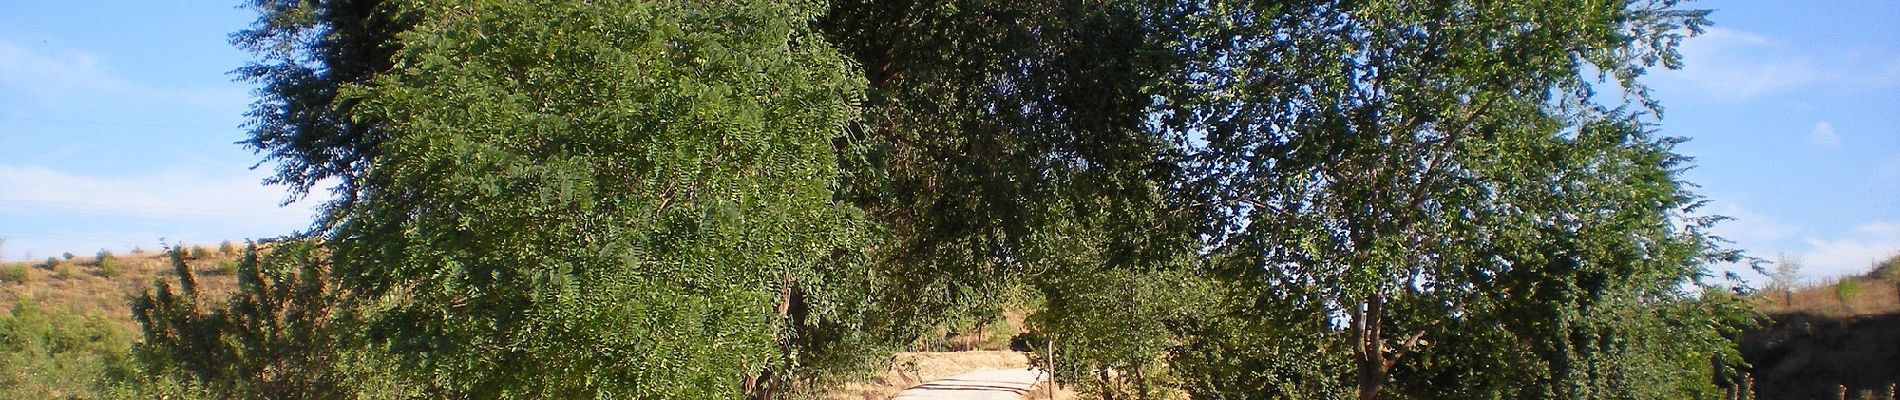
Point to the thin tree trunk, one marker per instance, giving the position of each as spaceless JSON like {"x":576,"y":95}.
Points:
{"x":1368,"y":346}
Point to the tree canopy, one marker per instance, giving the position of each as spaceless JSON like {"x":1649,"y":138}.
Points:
{"x":1231,"y":199}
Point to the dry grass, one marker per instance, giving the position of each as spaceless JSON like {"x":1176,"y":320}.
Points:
{"x":1877,"y":296}
{"x":85,"y":291}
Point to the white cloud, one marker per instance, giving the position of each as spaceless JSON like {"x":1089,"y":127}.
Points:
{"x":158,"y":195}
{"x":1823,"y":135}
{"x":45,"y":211}
{"x":1735,"y":66}
{"x":1751,"y":229}
{"x":1853,"y":254}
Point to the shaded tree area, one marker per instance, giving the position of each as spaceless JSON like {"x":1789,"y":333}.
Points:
{"x":757,"y":199}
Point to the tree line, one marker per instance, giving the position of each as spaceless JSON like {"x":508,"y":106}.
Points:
{"x":761,"y":198}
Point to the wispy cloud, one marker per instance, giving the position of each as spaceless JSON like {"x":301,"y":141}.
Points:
{"x":1823,"y":136}
{"x":1751,"y":229}
{"x":68,"y":211}
{"x":158,"y":195}
{"x":1728,"y":65}
{"x":56,"y":76}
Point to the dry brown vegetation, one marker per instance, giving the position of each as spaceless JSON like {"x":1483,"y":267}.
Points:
{"x":1877,"y":296}
{"x":80,"y":286}
{"x":1875,"y":292}
{"x":85,"y":289}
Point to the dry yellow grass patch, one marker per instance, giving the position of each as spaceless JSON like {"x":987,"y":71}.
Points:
{"x":85,"y":291}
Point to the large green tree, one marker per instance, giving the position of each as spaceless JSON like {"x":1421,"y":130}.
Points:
{"x":621,"y":198}
{"x":1442,"y":183}
{"x":306,"y":52}
{"x":1238,"y":198}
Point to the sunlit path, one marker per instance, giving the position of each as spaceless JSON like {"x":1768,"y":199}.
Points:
{"x":1005,"y":384}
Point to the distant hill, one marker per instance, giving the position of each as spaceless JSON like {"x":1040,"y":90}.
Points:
{"x":1829,"y":336}
{"x":1876,"y":292}
{"x":84,"y":285}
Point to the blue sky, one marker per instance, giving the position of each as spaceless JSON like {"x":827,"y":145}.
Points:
{"x":117,"y":123}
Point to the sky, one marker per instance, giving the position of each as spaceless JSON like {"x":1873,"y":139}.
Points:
{"x":119,"y":122}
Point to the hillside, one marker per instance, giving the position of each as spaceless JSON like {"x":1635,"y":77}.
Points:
{"x":1873,"y":293}
{"x":84,"y":300}
{"x":85,"y":286}
{"x":1825,"y":337}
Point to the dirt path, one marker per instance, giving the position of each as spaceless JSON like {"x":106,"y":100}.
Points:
{"x":988,"y":384}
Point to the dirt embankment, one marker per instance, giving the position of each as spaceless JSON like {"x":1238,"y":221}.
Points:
{"x":1809,"y":356}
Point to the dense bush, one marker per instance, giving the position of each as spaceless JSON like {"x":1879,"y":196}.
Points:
{"x":1240,"y":200}
{"x":15,"y":273}
{"x":275,"y":337}
{"x":108,"y":265}
{"x":52,"y":354}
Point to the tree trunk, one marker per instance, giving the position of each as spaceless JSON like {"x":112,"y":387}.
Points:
{"x":1368,"y":347}
{"x":793,"y":311}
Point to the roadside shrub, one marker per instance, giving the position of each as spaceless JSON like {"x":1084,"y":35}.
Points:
{"x":108,"y":267}
{"x":200,"y":252}
{"x":50,"y":263}
{"x":227,"y":248}
{"x":16,"y":273}
{"x":1847,"y":291}
{"x":1888,"y":269}
{"x":228,"y":267}
{"x":63,"y":271}
{"x":47,"y":353}
{"x":67,"y":255}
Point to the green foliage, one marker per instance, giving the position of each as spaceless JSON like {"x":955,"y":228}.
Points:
{"x":1241,"y":200}
{"x":64,"y":271}
{"x":276,"y":337}
{"x":15,"y":273}
{"x":622,"y":199}
{"x":108,"y":265}
{"x":228,"y":267}
{"x":52,"y":354}
{"x":306,"y":52}
{"x":68,"y":256}
{"x":1888,"y":269}
{"x":1846,"y":291}
{"x":227,"y":249}
{"x":50,"y":264}
{"x":1441,"y":186}
{"x":200,"y":252}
